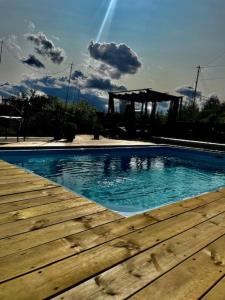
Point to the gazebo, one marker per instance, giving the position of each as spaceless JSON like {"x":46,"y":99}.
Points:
{"x":146,"y":96}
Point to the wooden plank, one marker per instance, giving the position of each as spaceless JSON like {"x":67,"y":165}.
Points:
{"x":132,"y":275}
{"x":13,"y":172}
{"x":6,"y":164}
{"x":46,"y":253}
{"x":57,"y":231}
{"x":217,"y":292}
{"x":85,"y":240}
{"x":10,"y":167}
{"x":18,"y":179}
{"x":66,"y":273}
{"x":53,"y":195}
{"x":102,"y":234}
{"x":15,"y":228}
{"x":51,"y":252}
{"x":186,"y":205}
{"x":32,"y":195}
{"x":17,"y":174}
{"x":8,"y":189}
{"x":44,"y":209}
{"x":192,"y":278}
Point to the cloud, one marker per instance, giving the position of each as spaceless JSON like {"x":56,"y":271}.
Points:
{"x":9,"y":90}
{"x":30,"y":25}
{"x":105,"y":70}
{"x":116,"y":59}
{"x":46,"y":48}
{"x":57,"y":87}
{"x":92,"y":88}
{"x":12,"y":45}
{"x":99,"y":83}
{"x":78,"y":75}
{"x":187,"y":91}
{"x":33,"y":61}
{"x":55,"y":37}
{"x":95,"y":82}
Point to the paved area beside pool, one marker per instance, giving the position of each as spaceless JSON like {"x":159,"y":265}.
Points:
{"x":79,"y":141}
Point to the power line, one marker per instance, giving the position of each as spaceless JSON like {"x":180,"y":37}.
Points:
{"x":204,"y":84}
{"x":215,"y":78}
{"x":212,"y":67}
{"x":216,"y":59}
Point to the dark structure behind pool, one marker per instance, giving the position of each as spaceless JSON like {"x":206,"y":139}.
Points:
{"x":145,"y":96}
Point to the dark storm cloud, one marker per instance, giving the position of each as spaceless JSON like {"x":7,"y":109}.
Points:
{"x":106,"y":70}
{"x":33,"y":62}
{"x":99,"y":83}
{"x":77,"y":75}
{"x":46,"y":47}
{"x":116,"y":59}
{"x":95,"y":82}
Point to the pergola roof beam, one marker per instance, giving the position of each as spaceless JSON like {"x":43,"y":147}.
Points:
{"x":143,"y":96}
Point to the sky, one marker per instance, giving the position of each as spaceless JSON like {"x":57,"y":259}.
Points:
{"x":113,"y":45}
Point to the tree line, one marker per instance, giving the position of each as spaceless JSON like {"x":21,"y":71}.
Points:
{"x":44,"y":115}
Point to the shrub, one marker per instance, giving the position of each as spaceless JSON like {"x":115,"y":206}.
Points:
{"x":70,"y":130}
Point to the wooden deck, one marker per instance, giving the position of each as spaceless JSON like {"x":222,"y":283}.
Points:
{"x":55,"y":244}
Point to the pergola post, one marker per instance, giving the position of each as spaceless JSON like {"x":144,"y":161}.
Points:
{"x":153,"y":112}
{"x":146,"y":109}
{"x":133,"y":105}
{"x":170,"y":112}
{"x":111,"y":107}
{"x":173,"y":111}
{"x":176,"y":110}
{"x":142,"y":109}
{"x":180,"y":108}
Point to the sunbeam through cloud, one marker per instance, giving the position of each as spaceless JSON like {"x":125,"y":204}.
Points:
{"x":107,"y":19}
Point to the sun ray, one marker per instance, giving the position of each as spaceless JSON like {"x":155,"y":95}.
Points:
{"x":107,"y":19}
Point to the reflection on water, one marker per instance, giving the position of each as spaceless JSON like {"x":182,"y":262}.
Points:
{"x":130,"y":181}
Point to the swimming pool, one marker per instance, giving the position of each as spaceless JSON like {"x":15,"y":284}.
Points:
{"x":127,"y":180}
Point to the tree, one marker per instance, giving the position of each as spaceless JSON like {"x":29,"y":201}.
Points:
{"x":190,"y":112}
{"x":85,"y":116}
{"x":47,"y":115}
{"x":212,"y":109}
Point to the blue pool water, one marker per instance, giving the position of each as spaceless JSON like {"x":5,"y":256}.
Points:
{"x":127,"y":180}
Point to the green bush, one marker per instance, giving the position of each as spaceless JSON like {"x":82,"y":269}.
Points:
{"x":70,"y":130}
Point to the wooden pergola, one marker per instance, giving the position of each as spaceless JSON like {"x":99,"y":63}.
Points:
{"x":146,"y":96}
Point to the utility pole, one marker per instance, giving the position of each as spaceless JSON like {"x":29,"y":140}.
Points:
{"x":69,"y":80}
{"x":1,"y":48}
{"x":196,"y":84}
